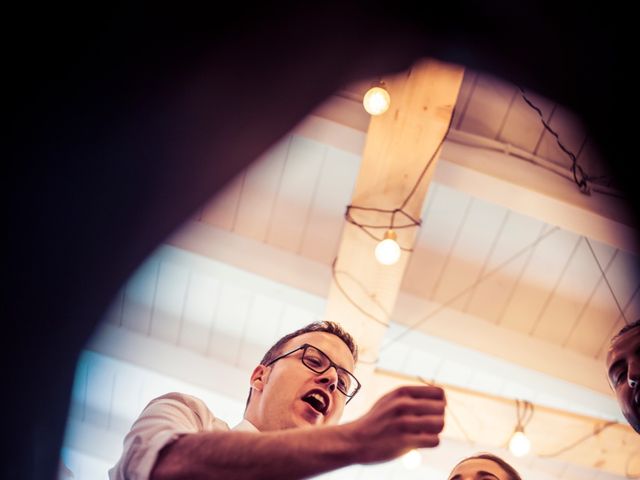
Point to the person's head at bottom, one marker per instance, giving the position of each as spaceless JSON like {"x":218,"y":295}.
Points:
{"x":623,"y":371}
{"x":483,"y":466}
{"x":304,"y":379}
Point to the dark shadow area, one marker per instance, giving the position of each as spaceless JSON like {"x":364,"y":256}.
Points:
{"x":123,"y":120}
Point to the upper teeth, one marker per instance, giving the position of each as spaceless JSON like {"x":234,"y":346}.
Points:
{"x":318,"y":397}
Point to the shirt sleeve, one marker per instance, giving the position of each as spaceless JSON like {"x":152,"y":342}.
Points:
{"x":163,"y":421}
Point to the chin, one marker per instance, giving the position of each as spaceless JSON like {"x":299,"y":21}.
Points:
{"x":314,"y":422}
{"x":306,"y":416}
{"x":309,"y":420}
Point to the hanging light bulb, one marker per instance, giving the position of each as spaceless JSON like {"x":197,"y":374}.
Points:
{"x":377,"y":100}
{"x":388,"y":251}
{"x":519,"y":444}
{"x":411,"y":460}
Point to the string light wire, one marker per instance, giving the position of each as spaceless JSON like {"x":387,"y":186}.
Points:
{"x":524,"y":412}
{"x":449,"y":410}
{"x":524,"y":409}
{"x":545,"y":164}
{"x":413,"y":222}
{"x":576,"y":169}
{"x":480,"y":279}
{"x":445,"y":304}
{"x":334,"y":274}
{"x":604,"y":276}
{"x":364,"y":228}
{"x":596,"y":431}
{"x":580,"y":177}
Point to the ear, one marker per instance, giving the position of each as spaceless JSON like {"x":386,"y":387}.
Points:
{"x":259,"y":377}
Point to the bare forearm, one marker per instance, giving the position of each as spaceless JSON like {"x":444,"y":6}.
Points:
{"x":288,"y":454}
{"x":405,"y":418}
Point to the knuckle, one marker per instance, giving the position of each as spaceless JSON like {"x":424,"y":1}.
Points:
{"x":438,"y":392}
{"x":439,"y":424}
{"x":399,"y":410}
{"x":402,"y":391}
{"x":404,"y":426}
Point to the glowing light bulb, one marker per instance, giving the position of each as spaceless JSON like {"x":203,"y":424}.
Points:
{"x":519,"y":444}
{"x":411,"y":460}
{"x":376,"y":101}
{"x":388,"y":251}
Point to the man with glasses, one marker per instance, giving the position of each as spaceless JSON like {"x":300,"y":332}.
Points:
{"x":303,"y":381}
{"x":623,"y":371}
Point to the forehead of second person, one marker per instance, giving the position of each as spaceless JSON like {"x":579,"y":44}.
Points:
{"x":626,"y":344}
{"x":330,"y":344}
{"x":478,"y":469}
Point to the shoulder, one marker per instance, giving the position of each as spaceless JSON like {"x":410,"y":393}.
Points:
{"x":181,"y":406}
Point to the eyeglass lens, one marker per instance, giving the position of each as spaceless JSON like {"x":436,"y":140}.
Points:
{"x":320,"y":363}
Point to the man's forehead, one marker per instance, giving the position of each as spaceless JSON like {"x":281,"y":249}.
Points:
{"x":621,"y":344}
{"x":329,"y":343}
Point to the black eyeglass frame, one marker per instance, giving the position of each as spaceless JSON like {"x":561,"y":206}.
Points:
{"x":304,"y":347}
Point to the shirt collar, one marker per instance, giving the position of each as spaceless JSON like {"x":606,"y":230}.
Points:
{"x":245,"y":426}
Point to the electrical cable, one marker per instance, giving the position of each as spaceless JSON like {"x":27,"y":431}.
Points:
{"x":450,"y":411}
{"x":352,"y":302}
{"x":469,"y":288}
{"x":604,"y":276}
{"x":576,"y":169}
{"x":524,"y":409}
{"x":524,"y":412}
{"x":556,"y":168}
{"x":364,"y":229}
{"x":595,"y":432}
{"x":399,"y":210}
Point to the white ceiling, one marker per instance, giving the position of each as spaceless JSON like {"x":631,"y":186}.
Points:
{"x":503,"y":296}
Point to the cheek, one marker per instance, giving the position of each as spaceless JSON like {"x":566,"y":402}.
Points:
{"x":293,"y":382}
{"x":337,"y":414}
{"x":623,"y":393}
{"x":622,"y":390}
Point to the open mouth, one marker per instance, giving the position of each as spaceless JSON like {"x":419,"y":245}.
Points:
{"x":318,"y":400}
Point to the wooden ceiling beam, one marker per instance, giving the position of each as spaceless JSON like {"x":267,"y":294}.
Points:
{"x":399,"y":145}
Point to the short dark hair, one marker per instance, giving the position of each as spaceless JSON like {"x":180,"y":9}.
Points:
{"x":508,"y":469}
{"x":319,"y":326}
{"x":626,"y":328}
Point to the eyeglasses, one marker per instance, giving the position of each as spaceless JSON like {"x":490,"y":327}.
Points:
{"x":317,"y":361}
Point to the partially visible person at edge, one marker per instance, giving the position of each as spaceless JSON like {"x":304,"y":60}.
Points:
{"x":290,"y":427}
{"x":623,"y":371}
{"x":483,"y":466}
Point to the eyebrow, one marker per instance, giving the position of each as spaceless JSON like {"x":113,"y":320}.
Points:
{"x":330,"y":359}
{"x":480,"y":472}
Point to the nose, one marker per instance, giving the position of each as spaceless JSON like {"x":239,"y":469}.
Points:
{"x":330,"y":378}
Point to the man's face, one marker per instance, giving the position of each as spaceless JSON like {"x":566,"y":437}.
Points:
{"x":623,"y":364}
{"x":291,"y":395}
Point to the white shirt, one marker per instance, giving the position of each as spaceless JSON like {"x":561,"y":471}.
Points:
{"x":163,"y":421}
